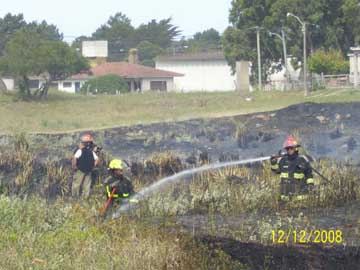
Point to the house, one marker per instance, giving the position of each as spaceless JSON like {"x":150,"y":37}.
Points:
{"x":7,"y":84}
{"x":203,"y":71}
{"x":138,"y":77}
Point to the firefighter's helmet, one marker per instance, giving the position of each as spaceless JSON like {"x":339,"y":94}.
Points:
{"x":291,"y":142}
{"x":116,"y":164}
{"x":87,"y":138}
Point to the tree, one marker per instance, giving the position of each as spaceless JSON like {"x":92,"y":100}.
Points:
{"x":122,"y":36}
{"x":27,"y":54}
{"x":331,"y":24}
{"x":328,"y":62}
{"x":108,"y":84}
{"x":160,"y":33}
{"x":8,"y":26}
{"x":351,"y":10}
{"x":204,"y":41}
{"x":45,"y":30}
{"x":60,"y":61}
{"x":148,"y":52}
{"x":77,"y":43}
{"x":237,"y":46}
{"x":239,"y":39}
{"x":119,"y":33}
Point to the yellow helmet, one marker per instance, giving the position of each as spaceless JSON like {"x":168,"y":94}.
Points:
{"x":116,"y":164}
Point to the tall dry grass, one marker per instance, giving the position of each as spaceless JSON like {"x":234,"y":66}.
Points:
{"x":36,"y":235}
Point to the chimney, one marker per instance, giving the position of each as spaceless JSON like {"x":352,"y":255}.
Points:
{"x":133,"y":56}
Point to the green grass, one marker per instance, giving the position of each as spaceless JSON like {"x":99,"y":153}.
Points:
{"x":67,"y":112}
{"x":35,"y":235}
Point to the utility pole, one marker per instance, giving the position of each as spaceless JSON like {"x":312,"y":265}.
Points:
{"x":259,"y":56}
{"x":305,"y":67}
{"x":303,"y":24}
{"x":285,"y":57}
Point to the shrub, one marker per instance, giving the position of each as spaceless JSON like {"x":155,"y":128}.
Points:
{"x":108,"y":84}
{"x":328,"y":62}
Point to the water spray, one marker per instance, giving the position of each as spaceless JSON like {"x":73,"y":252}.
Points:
{"x":144,"y":193}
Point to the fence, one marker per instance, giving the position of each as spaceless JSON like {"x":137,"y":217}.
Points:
{"x":316,"y":82}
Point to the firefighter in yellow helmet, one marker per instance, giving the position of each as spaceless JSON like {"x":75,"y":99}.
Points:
{"x":123,"y":187}
{"x":295,"y":172}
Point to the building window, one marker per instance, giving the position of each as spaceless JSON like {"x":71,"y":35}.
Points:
{"x":158,"y":85}
{"x":34,"y":84}
{"x":67,"y":84}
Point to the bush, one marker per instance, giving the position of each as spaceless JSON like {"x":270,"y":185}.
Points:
{"x":108,"y":84}
{"x":328,"y":62}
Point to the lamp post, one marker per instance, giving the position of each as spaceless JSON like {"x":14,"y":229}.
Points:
{"x":283,"y":39}
{"x":257,"y":28}
{"x":303,"y":26}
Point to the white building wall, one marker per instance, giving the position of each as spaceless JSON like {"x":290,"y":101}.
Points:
{"x":352,"y":68}
{"x":10,"y":83}
{"x":207,"y":75}
{"x":96,"y":48}
{"x":145,"y":83}
{"x":69,"y":89}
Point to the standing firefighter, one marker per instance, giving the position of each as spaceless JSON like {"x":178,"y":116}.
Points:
{"x":117,"y":185}
{"x":83,"y":162}
{"x":295,"y":172}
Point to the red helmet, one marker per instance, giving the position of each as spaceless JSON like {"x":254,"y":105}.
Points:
{"x":87,"y":138}
{"x":291,"y":142}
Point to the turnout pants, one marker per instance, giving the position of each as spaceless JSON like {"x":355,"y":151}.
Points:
{"x":81,"y":185}
{"x":292,"y":187}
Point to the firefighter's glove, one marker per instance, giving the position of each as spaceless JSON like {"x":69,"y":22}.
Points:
{"x":273,"y":160}
{"x":311,"y":187}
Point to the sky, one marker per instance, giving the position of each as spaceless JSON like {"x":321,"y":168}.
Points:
{"x":83,"y":17}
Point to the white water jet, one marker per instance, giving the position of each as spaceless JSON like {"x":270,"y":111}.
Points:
{"x":144,"y":193}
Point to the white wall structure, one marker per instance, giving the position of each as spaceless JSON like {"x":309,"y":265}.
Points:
{"x":202,"y":71}
{"x":353,"y":67}
{"x":70,"y":86}
{"x":9,"y":83}
{"x":97,"y":48}
{"x":277,"y":80}
{"x":161,"y":84}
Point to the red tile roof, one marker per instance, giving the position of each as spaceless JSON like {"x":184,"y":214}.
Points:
{"x":126,"y":70}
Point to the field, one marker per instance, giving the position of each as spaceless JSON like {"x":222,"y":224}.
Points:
{"x":67,"y":112}
{"x":218,"y":219}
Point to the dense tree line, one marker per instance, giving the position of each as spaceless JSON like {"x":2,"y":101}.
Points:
{"x":151,"y":38}
{"x":35,"y":49}
{"x":332,"y":25}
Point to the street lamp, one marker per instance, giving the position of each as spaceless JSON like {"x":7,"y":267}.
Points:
{"x":303,"y":25}
{"x":283,"y":39}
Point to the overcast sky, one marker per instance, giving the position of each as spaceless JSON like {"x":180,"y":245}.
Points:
{"x":83,"y":17}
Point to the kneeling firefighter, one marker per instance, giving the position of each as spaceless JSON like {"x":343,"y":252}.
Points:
{"x":295,"y":172}
{"x":117,"y":185}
